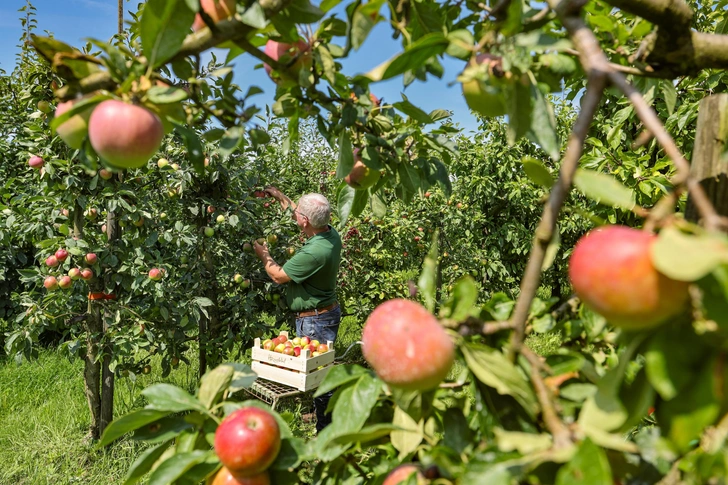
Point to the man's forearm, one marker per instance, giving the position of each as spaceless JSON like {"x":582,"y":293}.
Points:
{"x":275,"y":271}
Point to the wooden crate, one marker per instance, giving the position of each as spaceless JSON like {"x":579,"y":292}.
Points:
{"x":300,"y":372}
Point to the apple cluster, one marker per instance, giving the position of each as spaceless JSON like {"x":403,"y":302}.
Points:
{"x":295,"y":346}
{"x":247,"y":442}
{"x":66,"y":281}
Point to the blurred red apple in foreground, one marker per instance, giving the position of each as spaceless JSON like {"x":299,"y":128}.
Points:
{"x":123,"y":134}
{"x":407,"y":346}
{"x":217,"y":10}
{"x":611,"y":271}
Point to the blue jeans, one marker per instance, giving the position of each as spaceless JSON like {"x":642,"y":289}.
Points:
{"x":324,"y":328}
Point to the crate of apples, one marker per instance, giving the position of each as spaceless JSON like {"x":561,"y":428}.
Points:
{"x":300,"y":362}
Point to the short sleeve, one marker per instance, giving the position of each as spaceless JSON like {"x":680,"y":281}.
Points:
{"x":302,"y":266}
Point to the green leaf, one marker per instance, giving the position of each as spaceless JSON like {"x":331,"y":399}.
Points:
{"x":461,"y":44}
{"x":166,"y":95}
{"x":231,"y":141}
{"x":255,"y":16}
{"x":589,"y":465}
{"x":409,"y":177}
{"x":366,"y":434}
{"x":518,"y":108}
{"x":163,"y":28}
{"x":409,"y":436}
{"x":379,"y":206}
{"x":463,"y":298}
{"x":304,"y":12}
{"x":355,"y":403}
{"x":688,"y":258}
{"x":345,"y":203}
{"x":243,"y":375}
{"x":543,"y":124}
{"x":162,"y":430}
{"x":346,"y":156}
{"x":412,"y":111}
{"x":144,"y":463}
{"x":130,"y":422}
{"x":685,"y":419}
{"x":427,"y":283}
{"x":413,"y":57}
{"x":671,"y":359}
{"x":523,"y":443}
{"x":177,"y":465}
{"x":512,"y":24}
{"x":669,"y":92}
{"x":458,"y":436}
{"x":338,"y":376}
{"x":604,"y":189}
{"x":361,"y":198}
{"x":361,"y":25}
{"x":536,"y":171}
{"x":493,"y":369}
{"x":213,"y":384}
{"x":293,"y":452}
{"x":169,"y":398}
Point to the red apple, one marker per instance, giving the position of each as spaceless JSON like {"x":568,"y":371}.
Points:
{"x":74,"y":273}
{"x":322,"y":348}
{"x":245,"y":283}
{"x":402,"y":473}
{"x":65,"y":282}
{"x":217,"y":10}
{"x":73,"y":131}
{"x":155,"y":274}
{"x":52,"y":261}
{"x":277,"y":340}
{"x":611,"y":271}
{"x":91,"y":258}
{"x":247,"y":248}
{"x":224,"y":477}
{"x":279,"y":348}
{"x":106,"y":174}
{"x":424,"y":352}
{"x":268,"y":344}
{"x":288,"y":351}
{"x":50,"y":283}
{"x":248,"y":441}
{"x":139,"y":222}
{"x":305,"y":340}
{"x":44,"y":106}
{"x":311,"y":347}
{"x":315,"y":343}
{"x":123,"y":134}
{"x":238,"y":278}
{"x":35,"y":162}
{"x":86,"y":274}
{"x":210,"y":209}
{"x":285,"y":54}
{"x":61,"y":255}
{"x":92,"y":213}
{"x":65,"y":212}
{"x":297,"y":351}
{"x":282,"y":338}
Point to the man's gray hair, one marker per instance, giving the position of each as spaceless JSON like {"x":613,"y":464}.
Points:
{"x":316,"y":207}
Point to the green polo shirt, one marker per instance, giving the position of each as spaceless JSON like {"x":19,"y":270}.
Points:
{"x":313,"y":271}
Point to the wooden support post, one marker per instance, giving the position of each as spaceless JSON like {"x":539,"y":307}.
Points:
{"x":710,"y":158}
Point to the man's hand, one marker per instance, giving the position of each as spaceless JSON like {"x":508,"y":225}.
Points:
{"x":261,"y":250}
{"x":274,"y":192}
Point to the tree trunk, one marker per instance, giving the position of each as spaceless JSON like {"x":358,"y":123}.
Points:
{"x":709,"y":162}
{"x":209,"y":325}
{"x":113,"y":232}
{"x":92,"y":367}
{"x":121,"y":16}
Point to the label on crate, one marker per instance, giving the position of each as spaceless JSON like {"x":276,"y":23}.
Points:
{"x":274,"y":359}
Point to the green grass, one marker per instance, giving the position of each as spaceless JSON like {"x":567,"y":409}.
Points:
{"x":44,"y":421}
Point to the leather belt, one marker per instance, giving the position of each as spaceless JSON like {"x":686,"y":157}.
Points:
{"x":318,"y":311}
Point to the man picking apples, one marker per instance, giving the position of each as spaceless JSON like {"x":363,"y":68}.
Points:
{"x":311,"y":275}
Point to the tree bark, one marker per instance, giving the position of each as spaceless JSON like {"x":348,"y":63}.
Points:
{"x":709,"y":161}
{"x":92,"y":367}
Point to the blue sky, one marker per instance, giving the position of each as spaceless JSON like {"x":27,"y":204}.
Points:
{"x":72,"y":21}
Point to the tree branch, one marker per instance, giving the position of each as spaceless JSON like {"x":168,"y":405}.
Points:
{"x":596,"y":66}
{"x":674,"y":14}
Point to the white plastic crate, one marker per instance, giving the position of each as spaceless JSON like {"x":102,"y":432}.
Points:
{"x":300,"y":372}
